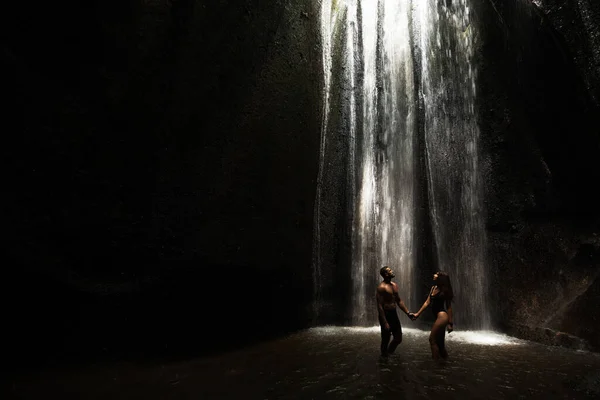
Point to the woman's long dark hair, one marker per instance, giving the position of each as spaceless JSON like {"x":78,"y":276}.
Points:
{"x":443,"y":284}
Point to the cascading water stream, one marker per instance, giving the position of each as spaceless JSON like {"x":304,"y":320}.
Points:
{"x":371,"y":99}
{"x":387,"y":189}
{"x":448,"y":89}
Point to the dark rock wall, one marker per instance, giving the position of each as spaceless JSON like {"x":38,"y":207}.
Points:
{"x":540,"y":124}
{"x":576,"y":21}
{"x":162,"y":166}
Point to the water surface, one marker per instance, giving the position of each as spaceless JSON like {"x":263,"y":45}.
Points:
{"x":340,"y":363}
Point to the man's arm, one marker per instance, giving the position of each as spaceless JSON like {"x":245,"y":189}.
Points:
{"x":403,"y":307}
{"x":382,"y":321}
{"x":399,"y":301}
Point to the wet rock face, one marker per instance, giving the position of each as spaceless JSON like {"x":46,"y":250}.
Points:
{"x":576,"y":21}
{"x":539,"y":117}
{"x":161,"y":147}
{"x":547,"y":276}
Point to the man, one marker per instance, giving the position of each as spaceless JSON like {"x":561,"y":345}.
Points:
{"x":387,"y":298}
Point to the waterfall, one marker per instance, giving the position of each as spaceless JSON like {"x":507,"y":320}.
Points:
{"x":371,"y":94}
{"x":448,"y":90}
{"x":386,"y":191}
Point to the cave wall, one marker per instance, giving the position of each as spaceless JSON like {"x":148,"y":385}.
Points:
{"x":163,"y":158}
{"x":540,"y":125}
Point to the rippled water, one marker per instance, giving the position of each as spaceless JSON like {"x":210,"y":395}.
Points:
{"x":340,"y":363}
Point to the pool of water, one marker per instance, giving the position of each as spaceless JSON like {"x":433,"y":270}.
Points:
{"x":340,"y":363}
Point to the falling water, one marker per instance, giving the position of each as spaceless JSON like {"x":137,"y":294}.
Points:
{"x":386,"y":191}
{"x":370,"y":40}
{"x":370,"y":97}
{"x":448,"y":89}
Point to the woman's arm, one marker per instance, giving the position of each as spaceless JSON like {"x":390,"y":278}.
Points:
{"x":424,"y":306}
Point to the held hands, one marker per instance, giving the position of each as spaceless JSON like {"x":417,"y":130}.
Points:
{"x":413,"y":316}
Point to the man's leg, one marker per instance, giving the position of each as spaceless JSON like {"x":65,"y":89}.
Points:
{"x":397,"y":339}
{"x":385,"y":339}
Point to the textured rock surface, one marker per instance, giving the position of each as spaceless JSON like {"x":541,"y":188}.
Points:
{"x":576,"y":21}
{"x":157,"y":147}
{"x":163,"y":163}
{"x":539,"y":118}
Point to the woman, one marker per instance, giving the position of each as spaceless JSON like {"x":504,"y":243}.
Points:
{"x":440,"y":298}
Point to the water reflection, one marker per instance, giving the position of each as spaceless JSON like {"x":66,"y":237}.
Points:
{"x":489,"y":338}
{"x":340,"y":363}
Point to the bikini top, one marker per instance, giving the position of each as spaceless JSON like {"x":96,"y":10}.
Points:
{"x":438,"y":302}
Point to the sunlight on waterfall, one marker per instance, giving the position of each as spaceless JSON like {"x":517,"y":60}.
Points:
{"x":390,"y":67}
{"x":370,"y":40}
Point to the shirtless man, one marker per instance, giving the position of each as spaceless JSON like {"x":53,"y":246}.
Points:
{"x":387,"y":298}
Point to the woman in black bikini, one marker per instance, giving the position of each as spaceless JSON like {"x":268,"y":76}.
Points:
{"x":440,"y":298}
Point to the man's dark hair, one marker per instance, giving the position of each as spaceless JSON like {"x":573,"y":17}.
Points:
{"x":382,"y":270}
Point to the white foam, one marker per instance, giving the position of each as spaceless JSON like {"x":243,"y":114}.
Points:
{"x":335,"y":330}
{"x":488,"y":338}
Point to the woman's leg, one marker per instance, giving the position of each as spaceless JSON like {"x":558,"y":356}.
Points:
{"x":442,"y":343}
{"x":437,"y":332}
